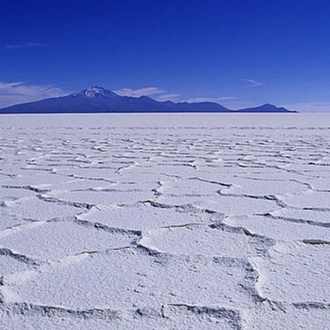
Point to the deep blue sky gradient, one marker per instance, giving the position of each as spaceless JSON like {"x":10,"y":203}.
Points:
{"x":192,"y":48}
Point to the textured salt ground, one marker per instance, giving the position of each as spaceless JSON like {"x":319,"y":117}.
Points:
{"x":285,"y":316}
{"x":279,"y":229}
{"x":270,"y":175}
{"x":108,"y":197}
{"x":50,"y":240}
{"x":242,"y":186}
{"x":225,"y":204}
{"x":37,"y":209}
{"x":11,"y":264}
{"x":103,"y":174}
{"x":224,"y":184}
{"x":142,"y":216}
{"x":295,"y":272}
{"x":305,"y":168}
{"x":42,"y":180}
{"x":10,"y":196}
{"x":172,"y":318}
{"x":202,"y":222}
{"x":183,"y":171}
{"x":196,"y":240}
{"x":45,"y":182}
{"x":90,"y":282}
{"x":322,"y":183}
{"x":316,"y":217}
{"x":309,"y":200}
{"x":138,"y":175}
{"x":191,"y":186}
{"x":8,"y":221}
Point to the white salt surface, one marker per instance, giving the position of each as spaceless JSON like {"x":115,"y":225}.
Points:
{"x":195,"y":240}
{"x":142,"y":216}
{"x":295,"y":272}
{"x":49,"y":240}
{"x":115,"y":280}
{"x":164,"y":221}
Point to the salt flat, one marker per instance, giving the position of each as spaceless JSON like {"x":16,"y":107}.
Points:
{"x":192,"y":221}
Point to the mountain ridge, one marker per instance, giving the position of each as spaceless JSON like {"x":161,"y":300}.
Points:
{"x":97,"y":99}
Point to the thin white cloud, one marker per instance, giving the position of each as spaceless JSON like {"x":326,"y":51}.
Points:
{"x":20,"y":92}
{"x":162,"y":95}
{"x":167,"y":97}
{"x":146,"y":91}
{"x":227,"y":98}
{"x":238,"y":104}
{"x":201,"y":99}
{"x":211,"y":99}
{"x":253,"y":83}
{"x":25,"y":45}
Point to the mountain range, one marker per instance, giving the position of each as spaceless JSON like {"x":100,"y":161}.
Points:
{"x":100,"y":100}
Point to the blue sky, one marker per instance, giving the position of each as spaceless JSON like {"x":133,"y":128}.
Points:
{"x":239,"y":53}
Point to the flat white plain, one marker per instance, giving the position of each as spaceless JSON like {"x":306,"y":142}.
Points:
{"x":147,"y":221}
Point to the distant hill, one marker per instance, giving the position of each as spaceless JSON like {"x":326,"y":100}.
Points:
{"x":100,"y":100}
{"x":265,"y":108}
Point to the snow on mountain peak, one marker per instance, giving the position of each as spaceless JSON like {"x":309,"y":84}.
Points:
{"x":96,"y":91}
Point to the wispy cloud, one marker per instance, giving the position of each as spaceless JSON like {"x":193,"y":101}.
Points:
{"x":253,"y":83}
{"x":211,"y":99}
{"x":201,"y":99}
{"x":20,"y":92}
{"x":227,"y":98}
{"x":168,"y":97}
{"x":25,"y":45}
{"x":147,"y":91}
{"x":162,"y":95}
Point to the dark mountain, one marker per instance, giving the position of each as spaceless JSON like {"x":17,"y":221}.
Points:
{"x":99,"y":100}
{"x":265,"y":108}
